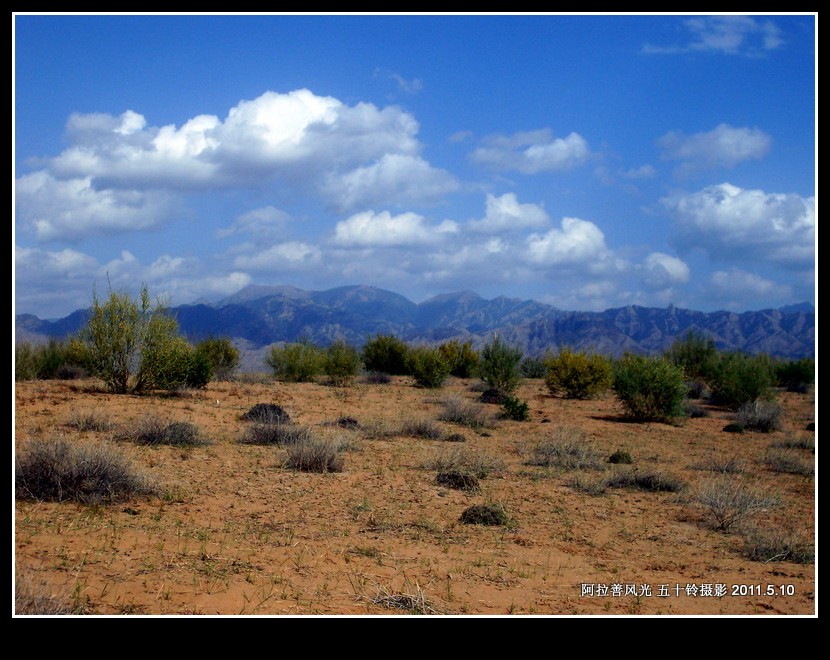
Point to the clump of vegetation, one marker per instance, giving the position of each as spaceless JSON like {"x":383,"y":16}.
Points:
{"x":341,"y":364}
{"x":577,"y":375}
{"x":515,"y":409}
{"x":465,"y":413}
{"x":737,"y":378}
{"x":803,"y":442}
{"x":459,"y":481}
{"x":221,"y":355}
{"x":347,"y":422}
{"x":594,"y":486}
{"x":157,"y":432}
{"x":694,"y":411}
{"x":135,"y":346}
{"x":386,"y":354}
{"x":428,"y":366}
{"x":788,"y":462}
{"x":55,"y":470}
{"x":492,"y":513}
{"x":298,"y":362}
{"x":650,"y":389}
{"x":493,"y":396}
{"x":90,"y":420}
{"x":696,"y":389}
{"x":31,"y":599}
{"x":421,"y":428}
{"x":275,"y":434}
{"x":377,"y":378}
{"x":734,"y":427}
{"x":729,"y":503}
{"x":315,"y":455}
{"x":532,"y":367}
{"x":478,"y":463}
{"x":455,"y":437}
{"x":499,"y":365}
{"x":461,"y":357}
{"x":620,"y":457}
{"x":695,"y":354}
{"x":55,"y":359}
{"x":796,"y":375}
{"x":266,"y":413}
{"x":653,"y":482}
{"x":760,"y":415}
{"x":566,"y":450}
{"x":769,"y":545}
{"x":731,"y":465}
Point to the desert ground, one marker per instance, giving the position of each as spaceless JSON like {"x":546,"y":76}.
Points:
{"x":232,"y":530}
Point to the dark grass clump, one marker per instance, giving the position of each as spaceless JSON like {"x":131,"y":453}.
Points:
{"x":768,"y":545}
{"x":478,"y":463}
{"x":422,"y":428}
{"x":275,"y":434}
{"x":759,"y":415}
{"x":267,"y":413}
{"x":652,"y":482}
{"x":455,"y":437}
{"x":177,"y":434}
{"x":459,"y":481}
{"x":804,"y":442}
{"x":55,"y":470}
{"x":377,"y":378}
{"x":348,"y":423}
{"x":315,"y":455}
{"x":493,"y":514}
{"x":734,"y":427}
{"x":493,"y":395}
{"x":695,"y":410}
{"x":620,"y":457}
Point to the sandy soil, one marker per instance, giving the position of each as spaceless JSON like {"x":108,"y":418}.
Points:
{"x":234,"y":532}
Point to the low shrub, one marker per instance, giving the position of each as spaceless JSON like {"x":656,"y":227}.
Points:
{"x":532,"y":367}
{"x":620,"y":457}
{"x":90,"y":420}
{"x":493,"y":514}
{"x":465,"y":413}
{"x":377,"y":378}
{"x":694,"y":411}
{"x":566,"y":450}
{"x":788,"y":462}
{"x":653,"y":482}
{"x":769,"y":545}
{"x":650,"y":389}
{"x":315,"y":455}
{"x":577,"y":375}
{"x":421,"y":428}
{"x":266,"y":413}
{"x":804,"y":442}
{"x":459,"y":481}
{"x":763,"y":416}
{"x":729,"y":503}
{"x":515,"y":409}
{"x":478,"y":463}
{"x":275,"y":434}
{"x":157,"y":432}
{"x":55,"y":470}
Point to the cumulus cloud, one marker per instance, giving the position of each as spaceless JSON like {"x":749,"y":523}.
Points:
{"x":739,"y":289}
{"x":368,"y":229}
{"x":56,"y":209}
{"x":265,"y":222}
{"x":505,"y":213}
{"x":532,"y":152}
{"x":282,"y":257}
{"x":394,"y":178}
{"x":723,"y":146}
{"x":663,"y":271}
{"x":120,"y":173}
{"x":578,"y":243}
{"x":729,"y":35}
{"x":738,"y":224}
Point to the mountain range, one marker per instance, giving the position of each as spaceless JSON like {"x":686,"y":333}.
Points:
{"x":258,"y":316}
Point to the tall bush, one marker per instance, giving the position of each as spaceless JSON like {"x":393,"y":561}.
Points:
{"x":386,"y":354}
{"x":428,"y":366}
{"x":299,"y":362}
{"x":738,"y":378}
{"x":461,"y":358}
{"x":341,"y":363}
{"x":577,"y":375}
{"x":649,"y":388}
{"x":499,"y":365}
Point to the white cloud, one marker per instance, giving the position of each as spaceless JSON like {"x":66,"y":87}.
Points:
{"x":663,"y":270}
{"x":723,"y":146}
{"x":729,"y":35}
{"x":383,"y":229}
{"x":577,"y":243}
{"x":532,"y":152}
{"x":283,"y":257}
{"x":407,"y":86}
{"x":736,"y":224}
{"x":738,"y":289}
{"x":393,"y":179}
{"x":505,"y":213}
{"x":265,"y":222}
{"x":642,"y":172}
{"x":68,"y":210}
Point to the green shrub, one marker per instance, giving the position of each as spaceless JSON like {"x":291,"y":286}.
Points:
{"x":56,"y":470}
{"x":299,"y":362}
{"x":428,"y":366}
{"x":620,"y":457}
{"x":499,"y":365}
{"x":738,"y":378}
{"x":796,"y":375}
{"x":695,"y":354}
{"x":170,"y":363}
{"x":42,"y":362}
{"x":577,"y":375}
{"x":461,"y":358}
{"x":221,"y":355}
{"x":386,"y":354}
{"x":515,"y":409}
{"x":25,"y":362}
{"x":341,"y":364}
{"x":649,"y":388}
{"x":653,"y":482}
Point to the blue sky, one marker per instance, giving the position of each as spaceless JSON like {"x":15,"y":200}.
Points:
{"x":584,"y":161}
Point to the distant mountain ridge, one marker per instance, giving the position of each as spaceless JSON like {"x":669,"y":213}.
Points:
{"x":258,"y":316}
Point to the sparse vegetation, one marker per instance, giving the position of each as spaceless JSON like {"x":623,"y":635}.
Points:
{"x":768,"y":545}
{"x":759,"y":415}
{"x":729,"y":503}
{"x":315,"y":455}
{"x":421,"y":428}
{"x":90,"y":420}
{"x":55,"y":470}
{"x":465,"y":413}
{"x":653,"y":482}
{"x":803,"y":442}
{"x":650,"y":389}
{"x":478,"y":463}
{"x":730,"y":465}
{"x":577,"y":375}
{"x":499,"y":365}
{"x":39,"y":599}
{"x":788,"y":462}
{"x":567,"y":449}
